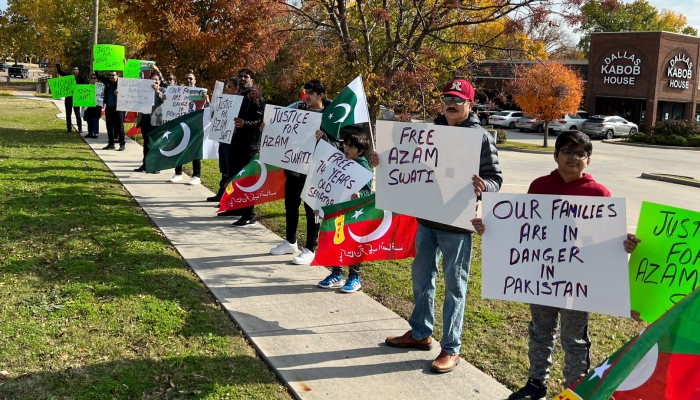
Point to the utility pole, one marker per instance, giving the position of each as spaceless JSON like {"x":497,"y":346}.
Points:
{"x":95,"y":10}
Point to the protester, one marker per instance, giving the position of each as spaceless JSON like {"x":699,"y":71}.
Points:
{"x":572,"y":153}
{"x":231,"y":87}
{"x":113,"y":118}
{"x":148,"y":122}
{"x":315,"y":100}
{"x":93,"y":115}
{"x":245,"y":143}
{"x":454,"y":244}
{"x":190,"y":81}
{"x":68,"y":100}
{"x":356,"y":146}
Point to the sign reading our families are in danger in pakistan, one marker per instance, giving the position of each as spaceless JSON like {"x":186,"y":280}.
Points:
{"x":558,"y":251}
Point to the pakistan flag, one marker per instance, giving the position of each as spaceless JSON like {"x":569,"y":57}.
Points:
{"x":180,"y":141}
{"x":350,"y":107}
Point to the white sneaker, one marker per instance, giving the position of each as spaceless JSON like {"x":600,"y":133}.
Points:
{"x":304,"y":258}
{"x":194,"y":181}
{"x":285,"y":248}
{"x":176,"y":178}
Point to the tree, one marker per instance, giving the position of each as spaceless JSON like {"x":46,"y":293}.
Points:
{"x":212,"y":38}
{"x":406,"y":50}
{"x":547,"y":91}
{"x":617,"y":16}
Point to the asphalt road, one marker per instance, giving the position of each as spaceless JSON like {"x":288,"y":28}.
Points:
{"x":617,"y":167}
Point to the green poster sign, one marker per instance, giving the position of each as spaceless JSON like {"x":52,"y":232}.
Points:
{"x":108,"y":57}
{"x":84,"y":95}
{"x":133,"y":68}
{"x":62,"y":86}
{"x":665,"y":266}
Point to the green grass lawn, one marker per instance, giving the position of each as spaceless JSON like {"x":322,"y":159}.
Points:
{"x":94,"y":302}
{"x":527,"y":146}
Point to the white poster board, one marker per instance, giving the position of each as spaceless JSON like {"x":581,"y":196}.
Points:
{"x":559,"y":251}
{"x":426,"y":170}
{"x":135,"y":95}
{"x":289,"y":138}
{"x":176,"y":104}
{"x":226,"y":108}
{"x":333,"y":178}
{"x":99,"y":94}
{"x":210,"y":148}
{"x":218,"y":91}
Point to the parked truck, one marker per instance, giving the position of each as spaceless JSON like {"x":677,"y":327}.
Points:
{"x":19,"y":71}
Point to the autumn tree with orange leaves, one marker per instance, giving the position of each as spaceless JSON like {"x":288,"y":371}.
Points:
{"x":212,"y":38}
{"x":547,"y":91}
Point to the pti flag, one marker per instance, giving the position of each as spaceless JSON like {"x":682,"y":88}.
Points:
{"x":180,"y":141}
{"x":256,"y":183}
{"x":350,"y":107}
{"x":357,"y":231}
{"x":662,"y":363}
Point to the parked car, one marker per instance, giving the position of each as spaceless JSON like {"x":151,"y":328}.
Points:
{"x":4,"y":66}
{"x":485,"y":115}
{"x":19,"y":71}
{"x":569,"y":122}
{"x":505,"y":118}
{"x":608,"y":127}
{"x":527,"y":123}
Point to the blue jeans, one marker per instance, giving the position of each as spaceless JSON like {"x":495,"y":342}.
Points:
{"x":455,"y":248}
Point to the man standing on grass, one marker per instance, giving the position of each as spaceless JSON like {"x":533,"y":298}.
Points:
{"x":453,"y":244}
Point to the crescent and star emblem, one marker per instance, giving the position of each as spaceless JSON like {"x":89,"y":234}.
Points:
{"x":381,"y":230}
{"x":261,"y":181}
{"x":183,"y":144}
{"x":347,"y":108}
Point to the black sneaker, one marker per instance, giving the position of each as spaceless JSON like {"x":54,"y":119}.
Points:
{"x":89,"y":136}
{"x":140,"y":169}
{"x":230,"y":213}
{"x":109,"y":147}
{"x":245,"y":221}
{"x":533,"y":390}
{"x":122,"y":148}
{"x":216,"y":198}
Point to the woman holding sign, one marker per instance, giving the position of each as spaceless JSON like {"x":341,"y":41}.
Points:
{"x":93,"y":114}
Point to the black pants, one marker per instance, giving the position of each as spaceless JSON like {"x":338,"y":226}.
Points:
{"x":238,"y":157}
{"x":196,"y":169}
{"x":354,"y":270}
{"x":146,"y":128}
{"x":293,"y":187}
{"x":115,"y":125}
{"x":68,"y":102}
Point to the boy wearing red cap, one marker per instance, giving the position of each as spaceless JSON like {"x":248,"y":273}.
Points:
{"x":453,"y":244}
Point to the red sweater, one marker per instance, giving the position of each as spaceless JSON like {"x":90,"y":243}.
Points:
{"x":554,"y":184}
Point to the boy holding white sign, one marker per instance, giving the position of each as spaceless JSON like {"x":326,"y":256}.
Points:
{"x":453,"y":244}
{"x":573,"y":154}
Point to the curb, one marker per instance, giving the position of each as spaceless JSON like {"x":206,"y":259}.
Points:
{"x":669,"y":179}
{"x":653,"y":146}
{"x":523,"y":150}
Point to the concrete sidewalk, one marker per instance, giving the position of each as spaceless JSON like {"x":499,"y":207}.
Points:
{"x":322,"y":344}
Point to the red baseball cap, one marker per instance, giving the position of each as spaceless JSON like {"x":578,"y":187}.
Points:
{"x":460,"y":88}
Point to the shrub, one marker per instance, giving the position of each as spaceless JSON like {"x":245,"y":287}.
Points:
{"x":671,"y":140}
{"x":684,"y":129}
{"x":694,"y":141}
{"x":501,"y":136}
{"x":640,"y":137}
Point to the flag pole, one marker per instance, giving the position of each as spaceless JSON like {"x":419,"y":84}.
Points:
{"x":371,"y":133}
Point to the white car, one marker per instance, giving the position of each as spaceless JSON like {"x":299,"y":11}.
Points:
{"x":505,"y":118}
{"x":570,"y":122}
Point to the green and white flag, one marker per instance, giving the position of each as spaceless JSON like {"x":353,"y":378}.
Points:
{"x":180,"y":141}
{"x":350,"y":107}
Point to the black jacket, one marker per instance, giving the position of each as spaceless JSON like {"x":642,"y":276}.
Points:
{"x":78,"y":79}
{"x":489,"y":168}
{"x":247,"y":138}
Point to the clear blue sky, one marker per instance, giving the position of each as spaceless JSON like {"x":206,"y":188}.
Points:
{"x":686,"y":7}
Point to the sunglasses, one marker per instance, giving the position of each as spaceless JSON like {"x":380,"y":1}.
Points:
{"x":169,"y":79}
{"x":450,"y":99}
{"x":244,"y":76}
{"x":93,"y":77}
{"x":189,"y":79}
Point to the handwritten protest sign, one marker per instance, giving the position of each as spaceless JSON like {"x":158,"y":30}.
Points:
{"x":559,"y":251}
{"x":84,"y":95}
{"x":289,"y":138}
{"x":133,"y":68}
{"x":135,"y":95}
{"x":426,"y":171}
{"x":218,"y":91}
{"x":664,"y":267}
{"x":108,"y":57}
{"x":332,"y":178}
{"x":226,"y":108}
{"x":62,"y":86}
{"x":99,"y":94}
{"x":176,"y":104}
